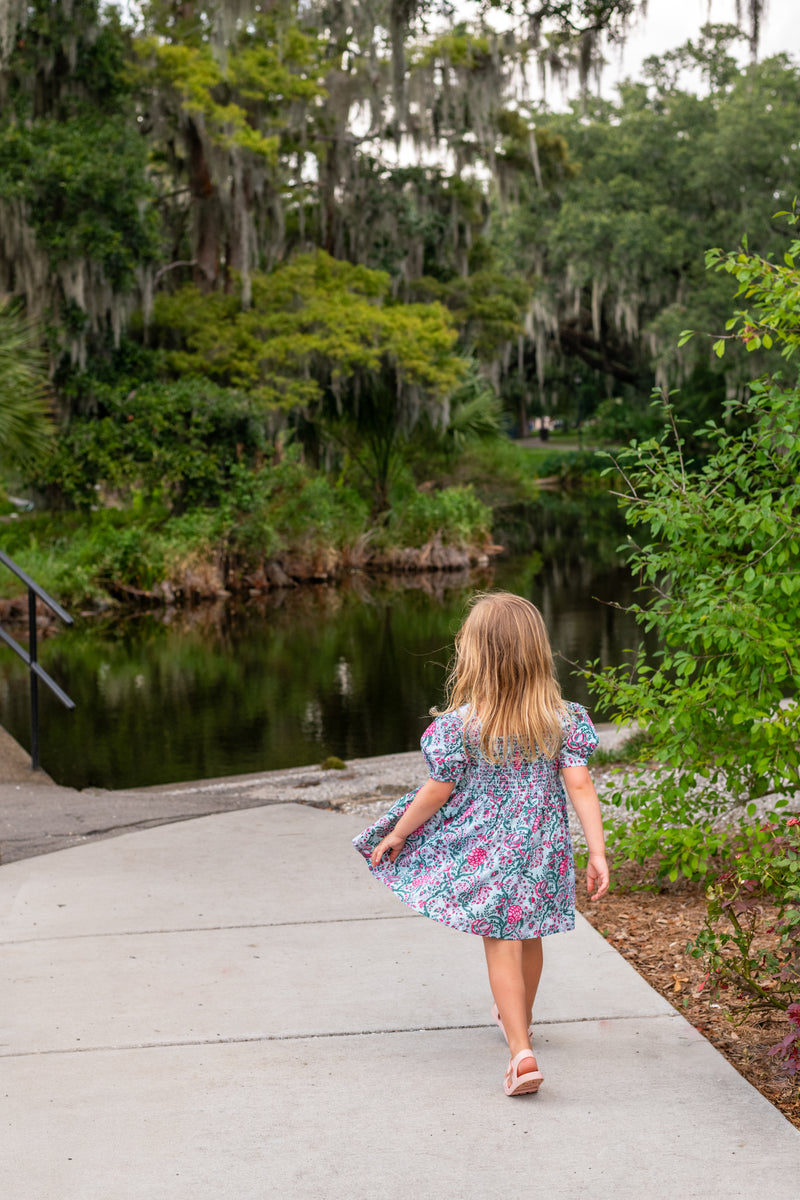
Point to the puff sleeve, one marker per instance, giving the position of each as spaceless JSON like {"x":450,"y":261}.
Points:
{"x":442,"y":744}
{"x":580,"y":740}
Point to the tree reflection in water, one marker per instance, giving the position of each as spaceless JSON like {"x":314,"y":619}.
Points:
{"x":289,"y":679}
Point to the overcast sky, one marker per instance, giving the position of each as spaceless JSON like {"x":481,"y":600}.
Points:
{"x":670,"y":22}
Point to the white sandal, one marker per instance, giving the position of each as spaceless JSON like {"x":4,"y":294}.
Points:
{"x":515,"y":1084}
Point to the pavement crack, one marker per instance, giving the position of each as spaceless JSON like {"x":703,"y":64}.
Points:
{"x":123,"y":933}
{"x":331,"y":1036}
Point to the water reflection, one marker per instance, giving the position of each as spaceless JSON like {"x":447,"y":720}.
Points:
{"x":350,"y":671}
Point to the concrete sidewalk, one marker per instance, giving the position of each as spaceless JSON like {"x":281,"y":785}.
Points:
{"x":231,"y":1007}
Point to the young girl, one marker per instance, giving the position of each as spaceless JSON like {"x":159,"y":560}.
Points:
{"x":484,"y":845}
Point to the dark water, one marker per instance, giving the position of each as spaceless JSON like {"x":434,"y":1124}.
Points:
{"x":349,"y":670}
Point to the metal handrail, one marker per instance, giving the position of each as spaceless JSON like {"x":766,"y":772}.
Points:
{"x":30,"y":656}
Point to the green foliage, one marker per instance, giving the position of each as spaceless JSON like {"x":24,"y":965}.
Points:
{"x":616,"y":421}
{"x":572,"y":468}
{"x":193,"y":142}
{"x":84,"y":187}
{"x":81,"y":560}
{"x":262,"y":516}
{"x":245,"y":102}
{"x":718,"y":557}
{"x":67,"y":56}
{"x":487,"y":306}
{"x":25,"y":428}
{"x":618,"y":248}
{"x":773,"y":289}
{"x":459,"y":49}
{"x":633,"y":749}
{"x":455,"y":513}
{"x":314,"y":323}
{"x":177,"y":443}
{"x":322,"y":336}
{"x":266,"y":514}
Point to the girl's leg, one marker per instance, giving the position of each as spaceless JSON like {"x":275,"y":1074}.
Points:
{"x":507,"y":981}
{"x":531,"y":971}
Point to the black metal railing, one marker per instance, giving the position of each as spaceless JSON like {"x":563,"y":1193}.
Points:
{"x":30,"y":656}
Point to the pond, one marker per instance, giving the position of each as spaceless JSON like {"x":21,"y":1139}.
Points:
{"x":298,"y":675}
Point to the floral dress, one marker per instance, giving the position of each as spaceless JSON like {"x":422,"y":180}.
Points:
{"x":496,"y":859}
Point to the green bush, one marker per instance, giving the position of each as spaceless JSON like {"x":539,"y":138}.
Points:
{"x":716,"y":549}
{"x":176,"y":442}
{"x":286,"y":507}
{"x":455,"y":513}
{"x":82,"y":558}
{"x":574,"y":468}
{"x":617,"y":421}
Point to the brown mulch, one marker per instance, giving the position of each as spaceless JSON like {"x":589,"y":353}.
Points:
{"x":650,"y":930}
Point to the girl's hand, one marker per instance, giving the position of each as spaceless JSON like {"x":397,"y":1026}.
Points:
{"x":597,"y":876}
{"x":392,"y":844}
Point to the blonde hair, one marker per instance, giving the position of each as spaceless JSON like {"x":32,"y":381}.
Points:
{"x":503,"y":672}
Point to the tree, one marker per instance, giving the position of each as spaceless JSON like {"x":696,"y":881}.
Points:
{"x":717,"y":550}
{"x":322,"y":344}
{"x":618,"y":247}
{"x":25,"y":427}
{"x":213,"y":142}
{"x":76,"y":224}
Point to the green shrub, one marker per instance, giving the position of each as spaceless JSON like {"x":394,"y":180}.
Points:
{"x":574,"y":468}
{"x":618,"y":421}
{"x":455,"y":513}
{"x":176,"y":442}
{"x":288,"y":507}
{"x":717,"y":552}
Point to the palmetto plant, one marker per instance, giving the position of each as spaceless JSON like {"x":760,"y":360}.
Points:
{"x":25,"y":428}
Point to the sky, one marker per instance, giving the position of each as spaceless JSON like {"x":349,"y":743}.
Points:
{"x":669,"y":23}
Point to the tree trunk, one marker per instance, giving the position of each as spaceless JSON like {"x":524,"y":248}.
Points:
{"x":207,"y":215}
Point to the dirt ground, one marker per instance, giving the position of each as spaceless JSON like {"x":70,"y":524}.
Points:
{"x":650,"y":930}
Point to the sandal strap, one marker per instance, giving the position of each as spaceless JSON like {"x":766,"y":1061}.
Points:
{"x":518,"y":1058}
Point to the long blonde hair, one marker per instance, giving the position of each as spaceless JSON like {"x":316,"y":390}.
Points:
{"x":503,"y":672}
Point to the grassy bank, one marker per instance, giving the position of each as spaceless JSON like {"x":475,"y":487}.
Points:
{"x":162,"y":534}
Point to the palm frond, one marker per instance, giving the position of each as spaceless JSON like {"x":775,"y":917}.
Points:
{"x":25,"y":426}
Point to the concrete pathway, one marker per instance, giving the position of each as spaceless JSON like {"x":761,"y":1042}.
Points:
{"x":231,"y":1007}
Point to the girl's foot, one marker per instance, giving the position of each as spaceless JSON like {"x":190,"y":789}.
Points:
{"x":522,"y":1075}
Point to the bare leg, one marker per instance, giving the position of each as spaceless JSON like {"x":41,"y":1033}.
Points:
{"x":532,"y":971}
{"x":507,"y":981}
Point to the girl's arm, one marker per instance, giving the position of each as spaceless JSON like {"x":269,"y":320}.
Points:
{"x":428,"y":800}
{"x":581,"y":792}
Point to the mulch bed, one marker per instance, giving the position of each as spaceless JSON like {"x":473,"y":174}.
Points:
{"x":650,"y":930}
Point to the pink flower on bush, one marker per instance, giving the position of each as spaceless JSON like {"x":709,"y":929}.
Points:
{"x":514,"y":914}
{"x":793,"y":821}
{"x":476,"y":857}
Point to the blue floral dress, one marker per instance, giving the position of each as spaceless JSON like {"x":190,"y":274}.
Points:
{"x":496,"y":859}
